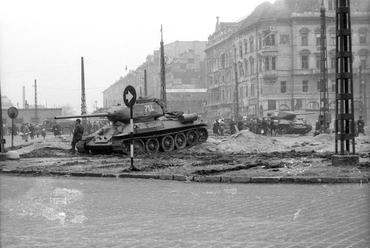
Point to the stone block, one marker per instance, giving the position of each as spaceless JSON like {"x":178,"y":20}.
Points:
{"x":265,"y":179}
{"x":343,"y":160}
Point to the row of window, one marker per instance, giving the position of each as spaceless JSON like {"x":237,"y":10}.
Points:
{"x":283,"y":89}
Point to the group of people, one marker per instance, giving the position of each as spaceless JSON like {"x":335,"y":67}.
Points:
{"x":31,"y":130}
{"x":264,"y":126}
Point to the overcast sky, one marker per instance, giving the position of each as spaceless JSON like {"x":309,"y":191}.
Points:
{"x":45,"y":40}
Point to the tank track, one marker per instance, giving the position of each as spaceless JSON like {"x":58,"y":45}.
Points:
{"x":165,"y":141}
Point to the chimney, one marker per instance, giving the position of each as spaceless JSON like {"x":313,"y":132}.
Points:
{"x":24,"y":96}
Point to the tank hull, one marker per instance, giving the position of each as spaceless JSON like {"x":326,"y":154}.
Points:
{"x":148,"y":137}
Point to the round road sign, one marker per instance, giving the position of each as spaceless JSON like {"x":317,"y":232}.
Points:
{"x":12,"y":112}
{"x":129,"y":96}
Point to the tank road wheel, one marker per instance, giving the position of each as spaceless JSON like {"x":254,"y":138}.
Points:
{"x":139,"y":146}
{"x":180,"y":141}
{"x":283,"y":130}
{"x":192,"y":137}
{"x":167,"y":143}
{"x":152,"y":145}
{"x":203,"y":135}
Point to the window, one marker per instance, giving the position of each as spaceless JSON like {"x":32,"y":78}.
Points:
{"x":269,"y":40}
{"x":304,"y":39}
{"x":362,"y":38}
{"x":245,"y":46}
{"x":252,"y":66}
{"x":246,"y":66}
{"x":241,"y":70}
{"x":273,"y":63}
{"x":260,"y":42}
{"x":252,"y":90}
{"x":284,"y":38}
{"x":318,"y":85}
{"x":332,"y":39}
{"x":223,"y":60}
{"x":260,"y":64}
{"x":271,"y":104}
{"x":305,"y":86}
{"x":267,"y":63}
{"x":363,"y":61}
{"x":362,"y":33}
{"x":318,"y":62}
{"x":318,"y":39}
{"x":332,"y":62}
{"x":246,"y":91}
{"x":333,"y":86}
{"x":241,"y":51}
{"x":304,"y":61}
{"x":283,"y":87}
{"x":331,"y":5}
{"x":251,"y":44}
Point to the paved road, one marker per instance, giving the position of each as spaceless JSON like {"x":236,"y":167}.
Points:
{"x":86,"y":212}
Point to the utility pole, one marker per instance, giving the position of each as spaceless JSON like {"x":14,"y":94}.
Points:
{"x":83,"y":98}
{"x":36,"y":116}
{"x":361,"y":88}
{"x":236,"y":98}
{"x":324,"y":118}
{"x":163,"y":74}
{"x":145,"y":85}
{"x":344,"y":109}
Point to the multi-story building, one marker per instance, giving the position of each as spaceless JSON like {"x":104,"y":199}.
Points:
{"x":185,"y":83}
{"x":273,"y":57}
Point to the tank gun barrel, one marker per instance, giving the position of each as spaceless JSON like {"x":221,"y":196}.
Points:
{"x":81,"y":116}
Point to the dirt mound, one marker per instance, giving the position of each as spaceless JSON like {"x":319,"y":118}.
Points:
{"x":246,"y":141}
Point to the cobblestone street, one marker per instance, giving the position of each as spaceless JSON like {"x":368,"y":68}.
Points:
{"x":151,"y":213}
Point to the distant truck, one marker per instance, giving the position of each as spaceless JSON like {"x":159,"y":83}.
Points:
{"x":66,"y":127}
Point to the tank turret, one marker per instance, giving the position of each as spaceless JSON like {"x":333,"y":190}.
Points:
{"x":154,"y":130}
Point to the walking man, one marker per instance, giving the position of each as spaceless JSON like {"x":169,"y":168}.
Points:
{"x":77,"y":134}
{"x":360,"y":126}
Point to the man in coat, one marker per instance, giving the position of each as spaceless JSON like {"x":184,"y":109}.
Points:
{"x":77,"y":134}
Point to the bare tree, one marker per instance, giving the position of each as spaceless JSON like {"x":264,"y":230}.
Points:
{"x":67,"y":110}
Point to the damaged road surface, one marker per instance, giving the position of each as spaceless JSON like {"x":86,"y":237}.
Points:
{"x":243,"y":154}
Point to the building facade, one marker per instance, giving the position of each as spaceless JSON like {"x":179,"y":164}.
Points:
{"x":185,"y":83}
{"x":272,"y":60}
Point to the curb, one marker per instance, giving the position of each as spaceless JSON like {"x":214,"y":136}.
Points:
{"x":197,"y":178}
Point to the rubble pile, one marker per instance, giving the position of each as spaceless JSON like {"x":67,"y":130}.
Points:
{"x":246,"y":141}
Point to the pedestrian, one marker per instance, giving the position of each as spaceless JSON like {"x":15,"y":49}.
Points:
{"x":89,"y":127}
{"x":272,"y":127}
{"x":25,"y":131}
{"x":232,"y":127}
{"x":360,"y":126}
{"x":77,"y":134}
{"x":221,"y":127}
{"x":32,"y":131}
{"x":43,"y":132}
{"x":240,"y":125}
{"x":56,"y":129}
{"x":264,"y":126}
{"x":215,"y":127}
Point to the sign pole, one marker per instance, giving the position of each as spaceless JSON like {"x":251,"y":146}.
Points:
{"x":131,"y":139}
{"x":12,"y":132}
{"x":129,"y":98}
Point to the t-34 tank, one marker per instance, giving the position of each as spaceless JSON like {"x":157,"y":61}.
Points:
{"x":286,"y":122}
{"x":153,"y":130}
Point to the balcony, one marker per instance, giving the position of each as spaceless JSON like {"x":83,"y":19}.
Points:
{"x":269,"y":75}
